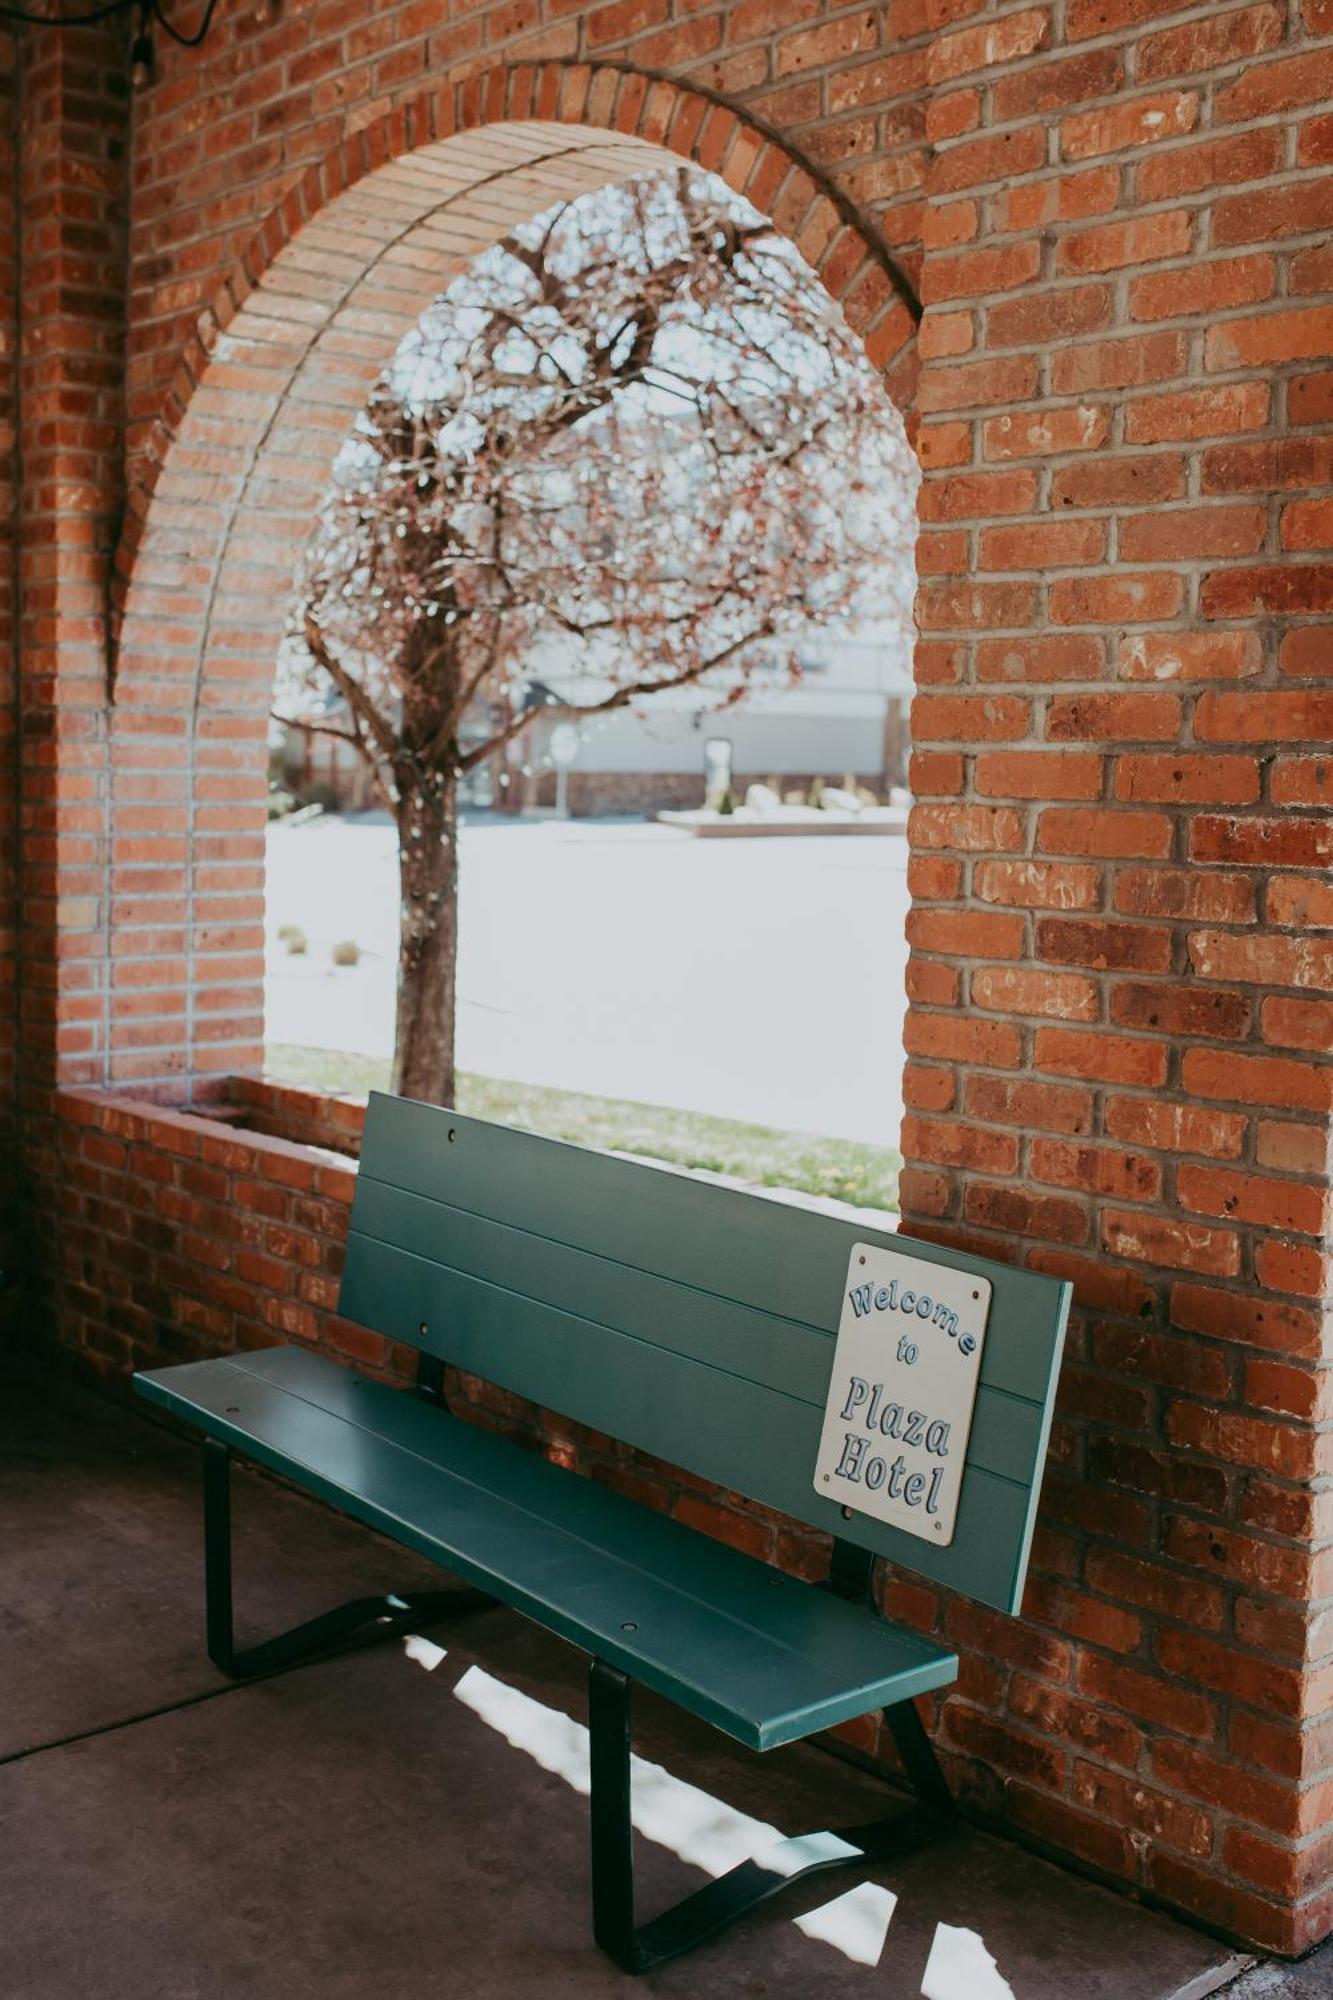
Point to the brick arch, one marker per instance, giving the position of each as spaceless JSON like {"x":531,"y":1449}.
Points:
{"x":223,"y":489}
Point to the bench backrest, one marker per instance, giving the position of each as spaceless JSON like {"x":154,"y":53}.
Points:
{"x":692,"y":1321}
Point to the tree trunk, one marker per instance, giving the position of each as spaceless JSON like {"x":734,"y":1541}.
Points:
{"x":423,"y":1064}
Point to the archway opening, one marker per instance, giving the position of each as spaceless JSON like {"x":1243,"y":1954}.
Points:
{"x":225,"y":487}
{"x":631,"y":477}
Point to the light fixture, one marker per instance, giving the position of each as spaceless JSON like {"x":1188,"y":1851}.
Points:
{"x":141,"y":54}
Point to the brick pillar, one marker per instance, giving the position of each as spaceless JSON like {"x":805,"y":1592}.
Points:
{"x":1120,"y":1031}
{"x":72,"y":192}
{"x":9,"y":758}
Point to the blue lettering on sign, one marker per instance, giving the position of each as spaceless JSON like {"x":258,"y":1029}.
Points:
{"x":866,"y":1299}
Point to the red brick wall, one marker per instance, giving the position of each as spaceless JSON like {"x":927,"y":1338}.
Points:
{"x":9,"y":747}
{"x":1117,"y":212}
{"x":1119,"y":1056}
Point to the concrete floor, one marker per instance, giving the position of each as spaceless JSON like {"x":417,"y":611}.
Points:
{"x":365,"y":1828}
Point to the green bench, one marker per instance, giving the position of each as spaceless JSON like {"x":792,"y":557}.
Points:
{"x":692,"y":1322}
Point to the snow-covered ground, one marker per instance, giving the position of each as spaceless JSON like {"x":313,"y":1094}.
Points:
{"x":759,"y":980}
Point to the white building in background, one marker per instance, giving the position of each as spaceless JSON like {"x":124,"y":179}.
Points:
{"x":845,"y":715}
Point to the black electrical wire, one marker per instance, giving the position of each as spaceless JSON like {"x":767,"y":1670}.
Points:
{"x":185,"y":41}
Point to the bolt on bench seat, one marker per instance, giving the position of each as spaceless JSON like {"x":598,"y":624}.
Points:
{"x":759,"y":1654}
{"x":690,"y":1321}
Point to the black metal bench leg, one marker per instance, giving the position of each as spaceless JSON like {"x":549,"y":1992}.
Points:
{"x":392,"y":1615}
{"x":612,"y":1829}
{"x":742,"y":1888}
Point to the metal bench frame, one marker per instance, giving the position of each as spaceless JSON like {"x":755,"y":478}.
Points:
{"x":696,"y":1917}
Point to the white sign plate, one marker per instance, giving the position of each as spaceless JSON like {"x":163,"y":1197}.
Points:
{"x":904,"y":1382}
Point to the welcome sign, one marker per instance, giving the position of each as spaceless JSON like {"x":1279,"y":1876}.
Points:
{"x":904,"y":1383}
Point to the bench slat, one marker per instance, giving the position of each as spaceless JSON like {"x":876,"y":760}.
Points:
{"x":536,"y":1349}
{"x":693,"y":1321}
{"x":760,"y":1655}
{"x":781,"y":1259}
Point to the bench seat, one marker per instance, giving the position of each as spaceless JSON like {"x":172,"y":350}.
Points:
{"x":757,"y":1653}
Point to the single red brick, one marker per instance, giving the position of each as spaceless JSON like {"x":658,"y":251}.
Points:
{"x":972,"y":605}
{"x":971,"y":829}
{"x":1042,"y":656}
{"x":999,"y":156}
{"x":1303,"y":652}
{"x":1187,"y":779}
{"x":1031,"y":88}
{"x":1257,"y":1322}
{"x":1065,"y":198}
{"x":966,"y":933}
{"x":1099,"y":1170}
{"x":1147,"y":239}
{"x":1153,"y":1815}
{"x":1310,"y":398}
{"x":1298,"y":1024}
{"x":1208,"y":164}
{"x":1277,"y":843}
{"x":962,"y":1038}
{"x":1159,"y":1358}
{"x":988,"y":44}
{"x":1291,"y":1267}
{"x":1103,"y":1057}
{"x":1289,"y":1147}
{"x":949,"y":1143}
{"x":1161,"y":1239}
{"x":968,"y":384}
{"x":1271,"y":1203}
{"x":1292,"y":334}
{"x":1302,"y":781}
{"x":1038,"y":774}
{"x":1170,"y":1703}
{"x":970,"y":718}
{"x":1022,"y":1212}
{"x":1127,"y":362}
{"x":1105,"y":718}
{"x":1050,"y":1107}
{"x":1043,"y":545}
{"x":1227,"y":38}
{"x":1190,"y":656}
{"x":1299,"y":208}
{"x":928,"y":1088}
{"x":1015,"y":990}
{"x":1104,"y":832}
{"x":1185,"y":893}
{"x":931,"y":984}
{"x":1264,"y":88}
{"x":1138,"y":481}
{"x":1186,"y":1009}
{"x":1103,"y":946}
{"x":1133,"y":122}
{"x":981,"y":272}
{"x":1188,"y":533}
{"x":1266,"y":1080}
{"x":1034,"y":434}
{"x":1123,"y":597}
{"x":1308,"y":524}
{"x":1041,"y":314}
{"x":1047,"y":885}
{"x":1300,"y":902}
